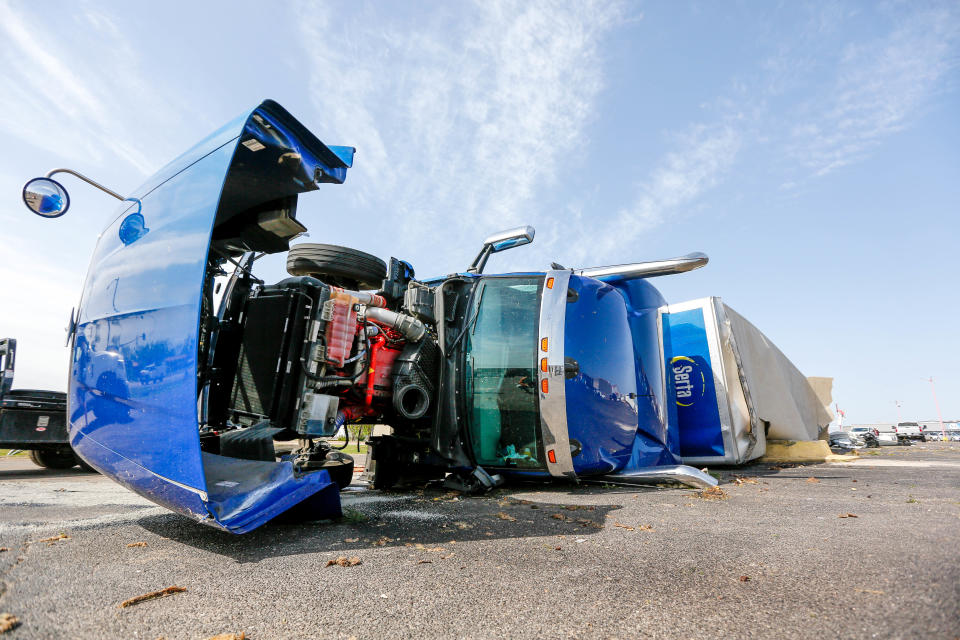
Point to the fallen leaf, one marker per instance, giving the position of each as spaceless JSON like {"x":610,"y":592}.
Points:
{"x":505,"y":516}
{"x":847,"y":515}
{"x":740,"y":480}
{"x":8,"y":622}
{"x":136,"y":544}
{"x":462,"y":525}
{"x":61,"y":536}
{"x":645,"y":527}
{"x":558,"y":548}
{"x":229,"y":636}
{"x":425,"y":562}
{"x":343,"y":561}
{"x":744,"y":578}
{"x":382,"y":541}
{"x":2,"y":549}
{"x":812,"y":480}
{"x":558,"y":516}
{"x":153,"y":595}
{"x":875,"y":592}
{"x":711,"y":493}
{"x":623,"y":526}
{"x":351,"y":539}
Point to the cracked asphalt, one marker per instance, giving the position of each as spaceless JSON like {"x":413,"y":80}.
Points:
{"x":771,"y":558}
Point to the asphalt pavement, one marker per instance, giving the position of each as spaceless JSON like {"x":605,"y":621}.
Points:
{"x":866,"y":549}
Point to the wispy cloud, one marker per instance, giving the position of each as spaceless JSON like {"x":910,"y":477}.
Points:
{"x":469,"y":114}
{"x":96,"y":107}
{"x":878,"y":88}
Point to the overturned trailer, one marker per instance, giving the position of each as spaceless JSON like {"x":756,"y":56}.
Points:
{"x":555,"y":375}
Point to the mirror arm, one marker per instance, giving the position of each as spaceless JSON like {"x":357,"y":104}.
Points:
{"x":53,"y":172}
{"x":481,"y":260}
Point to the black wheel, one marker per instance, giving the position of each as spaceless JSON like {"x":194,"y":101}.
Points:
{"x":53,"y":459}
{"x":337,"y":265}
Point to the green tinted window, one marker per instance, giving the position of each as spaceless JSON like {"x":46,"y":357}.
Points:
{"x":501,"y":361}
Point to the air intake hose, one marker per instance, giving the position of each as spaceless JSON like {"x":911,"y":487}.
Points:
{"x":411,"y":328}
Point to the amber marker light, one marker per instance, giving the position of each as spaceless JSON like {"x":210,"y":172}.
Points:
{"x":552,"y":456}
{"x":543,"y":344}
{"x":545,"y":385}
{"x":549,"y":283}
{"x":543,"y":365}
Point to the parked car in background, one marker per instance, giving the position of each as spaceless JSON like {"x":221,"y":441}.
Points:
{"x":909,"y":430}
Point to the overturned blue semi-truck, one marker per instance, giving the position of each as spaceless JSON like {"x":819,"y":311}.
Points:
{"x":186,"y":367}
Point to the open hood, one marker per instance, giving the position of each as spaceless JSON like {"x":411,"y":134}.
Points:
{"x":133,"y":400}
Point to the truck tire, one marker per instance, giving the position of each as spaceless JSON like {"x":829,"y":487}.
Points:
{"x":53,"y":459}
{"x":342,"y":266}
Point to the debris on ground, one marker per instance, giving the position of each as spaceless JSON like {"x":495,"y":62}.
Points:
{"x":645,"y":527}
{"x":229,"y":636}
{"x":506,"y":516}
{"x":623,"y":526}
{"x":847,"y":515}
{"x":381,"y":541}
{"x":741,"y":480}
{"x":8,"y":622}
{"x":136,"y":544}
{"x":462,"y":525}
{"x":711,"y":493}
{"x":812,"y":480}
{"x":351,"y":539}
{"x":55,"y":539}
{"x":744,"y":578}
{"x":343,"y":561}
{"x":425,"y":562}
{"x":2,"y":549}
{"x":153,"y":595}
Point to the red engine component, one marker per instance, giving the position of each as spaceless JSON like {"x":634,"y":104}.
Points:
{"x":379,"y":383}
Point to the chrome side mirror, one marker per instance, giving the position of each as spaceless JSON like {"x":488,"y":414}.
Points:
{"x":501,"y":241}
{"x":46,"y":198}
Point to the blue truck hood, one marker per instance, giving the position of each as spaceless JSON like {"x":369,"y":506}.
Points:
{"x":133,"y":401}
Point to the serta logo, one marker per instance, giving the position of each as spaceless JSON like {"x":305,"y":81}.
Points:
{"x":688,"y":380}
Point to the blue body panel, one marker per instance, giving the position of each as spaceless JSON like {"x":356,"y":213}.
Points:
{"x":616,"y":406}
{"x":133,"y":384}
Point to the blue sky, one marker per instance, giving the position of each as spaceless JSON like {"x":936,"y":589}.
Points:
{"x":811,"y":150}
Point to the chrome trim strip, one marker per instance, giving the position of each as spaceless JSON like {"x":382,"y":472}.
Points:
{"x":650,"y":475}
{"x":651,"y":269}
{"x":553,"y":404}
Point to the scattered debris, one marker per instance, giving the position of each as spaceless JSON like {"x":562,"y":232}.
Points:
{"x":136,"y":544}
{"x":505,"y":516}
{"x":54,"y":539}
{"x":847,"y":515}
{"x":876,"y":592}
{"x":744,"y":578}
{"x":229,"y":636}
{"x":812,"y":480}
{"x":382,"y":540}
{"x":8,"y":622}
{"x":623,"y":526}
{"x":740,"y":480}
{"x":558,"y":548}
{"x":462,"y":525}
{"x":645,"y":527}
{"x":558,"y":516}
{"x":345,"y":562}
{"x":425,"y":562}
{"x":579,"y":540}
{"x":711,"y":493}
{"x":2,"y":549}
{"x":351,"y":539}
{"x":153,"y":595}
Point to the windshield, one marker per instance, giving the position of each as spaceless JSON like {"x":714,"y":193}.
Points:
{"x":501,"y":378}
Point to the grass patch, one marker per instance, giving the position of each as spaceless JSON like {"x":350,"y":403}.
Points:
{"x":353,"y":516}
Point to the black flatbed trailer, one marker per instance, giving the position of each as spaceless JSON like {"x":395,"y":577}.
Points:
{"x":31,"y":419}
